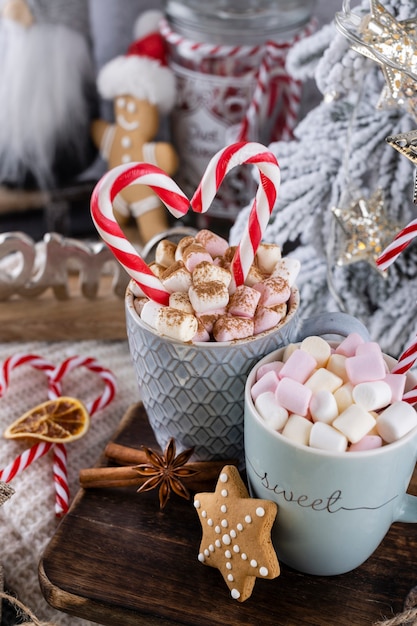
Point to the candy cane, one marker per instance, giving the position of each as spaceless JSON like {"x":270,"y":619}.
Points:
{"x":25,"y":459}
{"x":60,"y":470}
{"x":104,"y":220}
{"x":406,"y":360}
{"x":270,"y":178}
{"x":139,"y":173}
{"x":399,"y":243}
{"x":55,"y":375}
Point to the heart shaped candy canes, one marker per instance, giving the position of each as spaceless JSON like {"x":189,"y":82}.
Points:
{"x":240,"y":153}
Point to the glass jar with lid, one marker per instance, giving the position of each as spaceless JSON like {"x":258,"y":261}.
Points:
{"x":229,"y":60}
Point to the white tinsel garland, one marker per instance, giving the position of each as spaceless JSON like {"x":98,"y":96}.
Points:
{"x":340,"y":145}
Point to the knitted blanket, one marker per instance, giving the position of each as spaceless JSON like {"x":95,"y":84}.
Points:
{"x":27,"y":519}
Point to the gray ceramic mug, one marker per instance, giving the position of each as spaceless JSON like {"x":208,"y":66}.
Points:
{"x":334,"y":509}
{"x":194,"y":392}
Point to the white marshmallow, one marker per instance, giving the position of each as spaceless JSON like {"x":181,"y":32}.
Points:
{"x":323,"y":406}
{"x":337,"y":365}
{"x":323,"y":379}
{"x":182,"y":245}
{"x":176,"y":324}
{"x":298,"y":429}
{"x":355,"y":422}
{"x":274,"y":415}
{"x":267,"y":256}
{"x":396,"y":421}
{"x":180,"y":300}
{"x":208,"y":296}
{"x":176,"y":278}
{"x":287,"y":268}
{"x":150,"y":312}
{"x":205,"y":272}
{"x":165,"y":252}
{"x":325,"y":437}
{"x":372,"y":396}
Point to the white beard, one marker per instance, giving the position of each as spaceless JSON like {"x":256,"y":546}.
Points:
{"x":47,"y":94}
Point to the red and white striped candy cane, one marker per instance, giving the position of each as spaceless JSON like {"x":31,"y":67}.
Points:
{"x":399,"y":243}
{"x":406,"y":360}
{"x":103,"y":217}
{"x":270,"y":178}
{"x":60,"y":470}
{"x":25,"y":459}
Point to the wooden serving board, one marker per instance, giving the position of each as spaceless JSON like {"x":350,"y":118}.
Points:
{"x":116,"y":559}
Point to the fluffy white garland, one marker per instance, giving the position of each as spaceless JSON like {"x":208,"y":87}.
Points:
{"x":313,"y":168}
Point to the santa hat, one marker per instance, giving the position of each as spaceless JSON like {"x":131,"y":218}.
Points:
{"x":142,"y":72}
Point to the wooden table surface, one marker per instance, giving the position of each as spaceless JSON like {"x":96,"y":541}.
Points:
{"x":116,"y":559}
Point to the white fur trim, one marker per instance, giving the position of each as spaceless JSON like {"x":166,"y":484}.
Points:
{"x":140,"y":77}
{"x":147,"y":23}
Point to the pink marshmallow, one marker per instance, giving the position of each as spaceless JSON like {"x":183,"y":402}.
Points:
{"x":232,"y":328}
{"x":268,"y":382}
{"x":265,"y":319}
{"x":369,"y":442}
{"x":368,"y":346}
{"x":195,"y":254}
{"x":244,"y":301}
{"x":274,"y":366}
{"x":213,"y":243}
{"x":293,"y":396}
{"x":273,"y":291}
{"x":365,"y":367}
{"x":349,"y":345}
{"x":397,"y":385}
{"x":299,"y":366}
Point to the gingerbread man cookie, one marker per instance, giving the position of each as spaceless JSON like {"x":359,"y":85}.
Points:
{"x":142,"y":88}
{"x":237,"y":534}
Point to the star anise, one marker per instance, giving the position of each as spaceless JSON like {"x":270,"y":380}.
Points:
{"x":166,"y":471}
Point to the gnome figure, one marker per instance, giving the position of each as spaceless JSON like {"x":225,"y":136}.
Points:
{"x":142,"y":88}
{"x":48,"y":95}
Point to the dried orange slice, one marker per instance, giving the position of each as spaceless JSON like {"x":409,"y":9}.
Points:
{"x":59,"y":421}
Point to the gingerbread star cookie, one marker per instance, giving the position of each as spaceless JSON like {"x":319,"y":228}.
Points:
{"x":237,"y":534}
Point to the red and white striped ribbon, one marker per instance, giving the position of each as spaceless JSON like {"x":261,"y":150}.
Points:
{"x":272,"y":65}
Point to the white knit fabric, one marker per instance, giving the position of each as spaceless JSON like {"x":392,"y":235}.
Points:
{"x":27,"y":520}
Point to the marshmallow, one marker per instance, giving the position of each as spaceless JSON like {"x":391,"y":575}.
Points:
{"x":273,"y":291}
{"x":254,"y":276}
{"x":397,"y":385}
{"x":165,"y":252}
{"x":369,"y":442}
{"x":368,"y":346}
{"x":274,"y":415}
{"x":287,"y":268}
{"x":182,"y":245}
{"x":268,"y":382}
{"x":267,"y":256}
{"x":325,"y":437}
{"x":208,"y":296}
{"x":176,"y":278}
{"x":293,"y":396}
{"x":288,"y":350}
{"x":266,"y":318}
{"x":195,"y":254}
{"x":349,"y":344}
{"x":275,"y":366}
{"x":343,"y":397}
{"x":170,"y":322}
{"x":206,"y":272}
{"x":298,"y":429}
{"x":244,"y":301}
{"x":372,"y":396}
{"x":365,"y":367}
{"x":396,"y":421}
{"x":355,"y":422}
{"x":202,"y":335}
{"x":213,"y":243}
{"x":139,"y":303}
{"x":323,"y":406}
{"x":318,"y":348}
{"x":208,"y":319}
{"x":231,"y":328}
{"x":180,"y":300}
{"x":337,"y":365}
{"x":299,"y":366}
{"x":157,"y":269}
{"x":323,"y":379}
